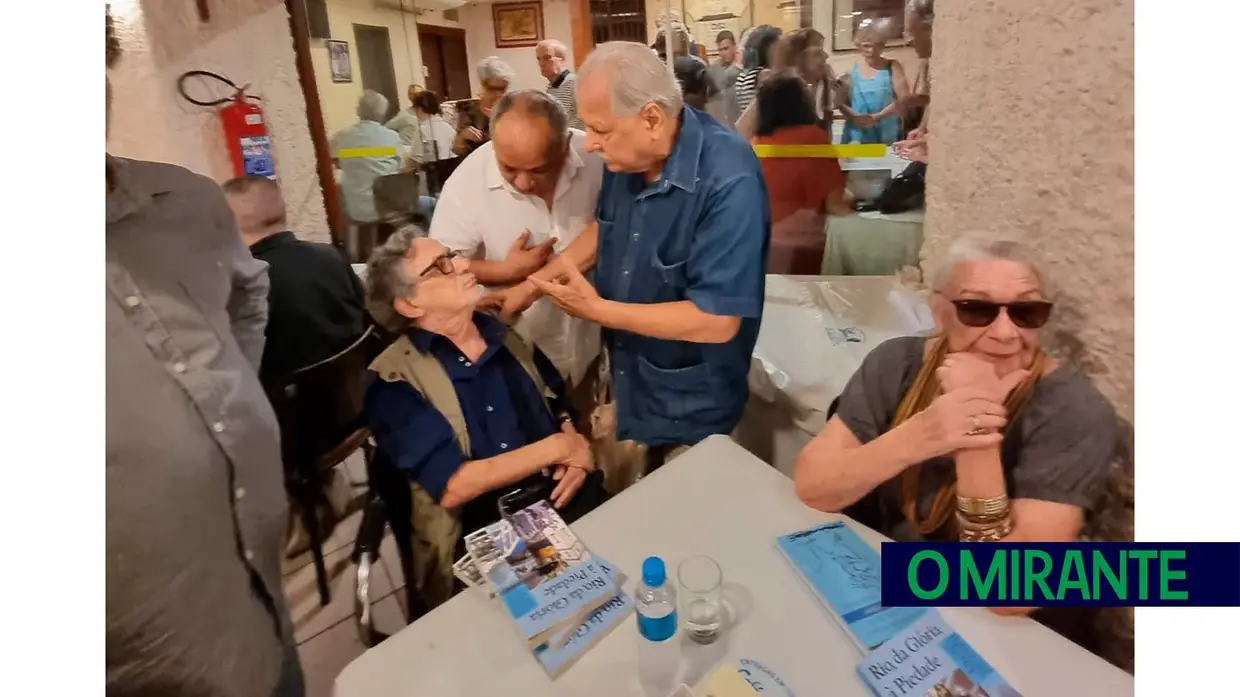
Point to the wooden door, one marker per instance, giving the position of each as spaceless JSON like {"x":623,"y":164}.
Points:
{"x":374,"y":59}
{"x":432,"y":61}
{"x":456,"y":67}
{"x":447,"y":64}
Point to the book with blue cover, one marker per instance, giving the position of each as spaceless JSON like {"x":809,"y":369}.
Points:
{"x":566,"y":599}
{"x":929,"y":659}
{"x":540,"y":572}
{"x":571,"y":643}
{"x":845,"y":573}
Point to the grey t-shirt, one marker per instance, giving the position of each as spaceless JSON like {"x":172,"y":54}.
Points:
{"x":1058,"y":448}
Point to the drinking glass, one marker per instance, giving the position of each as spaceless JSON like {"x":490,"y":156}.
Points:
{"x":701,"y":598}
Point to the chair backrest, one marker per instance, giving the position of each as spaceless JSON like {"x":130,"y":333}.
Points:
{"x":321,"y":404}
{"x":396,"y":195}
{"x":437,"y":173}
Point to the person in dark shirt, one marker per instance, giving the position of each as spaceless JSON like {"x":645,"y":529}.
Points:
{"x":463,"y":407}
{"x":473,"y":121}
{"x":316,"y":304}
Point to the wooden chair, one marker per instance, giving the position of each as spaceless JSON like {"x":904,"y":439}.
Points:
{"x":319,"y":409}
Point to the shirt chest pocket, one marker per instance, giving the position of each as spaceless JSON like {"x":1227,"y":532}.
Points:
{"x":668,"y":272}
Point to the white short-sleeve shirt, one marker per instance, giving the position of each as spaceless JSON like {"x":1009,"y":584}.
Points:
{"x":480,"y":215}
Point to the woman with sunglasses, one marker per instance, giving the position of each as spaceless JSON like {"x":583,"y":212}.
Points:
{"x":973,"y":434}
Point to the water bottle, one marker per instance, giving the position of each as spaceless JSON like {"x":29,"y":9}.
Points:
{"x":658,"y":657}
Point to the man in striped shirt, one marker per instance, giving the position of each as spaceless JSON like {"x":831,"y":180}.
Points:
{"x":561,"y":82}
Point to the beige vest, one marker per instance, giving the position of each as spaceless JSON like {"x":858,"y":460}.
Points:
{"x":436,"y":529}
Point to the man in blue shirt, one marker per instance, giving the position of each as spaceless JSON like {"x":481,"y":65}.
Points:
{"x":681,"y":238}
{"x":491,"y":414}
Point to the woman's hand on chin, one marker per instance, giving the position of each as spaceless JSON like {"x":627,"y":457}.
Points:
{"x":960,"y":370}
{"x":965,"y":418}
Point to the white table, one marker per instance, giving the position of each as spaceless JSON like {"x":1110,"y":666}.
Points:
{"x":719,"y":500}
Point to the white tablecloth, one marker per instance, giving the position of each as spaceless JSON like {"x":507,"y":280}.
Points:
{"x":718,"y":500}
{"x":815,"y":332}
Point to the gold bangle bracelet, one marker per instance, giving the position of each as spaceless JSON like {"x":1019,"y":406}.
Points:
{"x":994,"y":533}
{"x":984,"y":507}
{"x":982,"y":521}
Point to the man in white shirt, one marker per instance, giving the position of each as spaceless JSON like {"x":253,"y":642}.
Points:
{"x":364,"y":152}
{"x":532,"y":183}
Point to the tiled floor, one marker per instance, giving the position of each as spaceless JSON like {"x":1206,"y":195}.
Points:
{"x":327,"y":636}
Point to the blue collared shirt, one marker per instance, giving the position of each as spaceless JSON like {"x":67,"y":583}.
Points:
{"x":417,"y":438}
{"x":699,"y":233}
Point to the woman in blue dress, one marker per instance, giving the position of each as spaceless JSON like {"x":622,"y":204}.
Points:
{"x":875,"y":86}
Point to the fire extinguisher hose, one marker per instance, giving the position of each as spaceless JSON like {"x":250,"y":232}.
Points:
{"x":215,"y":76}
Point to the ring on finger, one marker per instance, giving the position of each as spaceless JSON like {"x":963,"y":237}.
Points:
{"x":976,"y":429}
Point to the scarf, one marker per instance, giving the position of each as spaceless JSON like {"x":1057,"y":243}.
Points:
{"x":924,"y":390}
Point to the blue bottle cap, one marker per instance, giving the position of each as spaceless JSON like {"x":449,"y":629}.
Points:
{"x":654,"y":573}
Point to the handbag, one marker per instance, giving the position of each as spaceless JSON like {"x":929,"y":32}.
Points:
{"x":905,"y":192}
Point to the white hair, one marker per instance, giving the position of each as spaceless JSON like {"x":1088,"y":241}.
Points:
{"x":979,"y":246}
{"x":554,"y":46}
{"x":637,"y":78}
{"x":492,"y":68}
{"x":372,"y":106}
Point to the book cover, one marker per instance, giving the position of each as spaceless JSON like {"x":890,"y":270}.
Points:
{"x":467,"y":571}
{"x":530,"y":545}
{"x":570,"y":644}
{"x":564,"y":600}
{"x":845,"y":573}
{"x":929,"y":659}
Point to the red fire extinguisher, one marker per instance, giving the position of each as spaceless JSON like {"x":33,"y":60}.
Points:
{"x":245,"y":128}
{"x":245,"y":132}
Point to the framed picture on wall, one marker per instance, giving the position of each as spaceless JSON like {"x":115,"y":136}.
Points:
{"x":850,"y":16}
{"x":338,"y":56}
{"x":517,"y":24}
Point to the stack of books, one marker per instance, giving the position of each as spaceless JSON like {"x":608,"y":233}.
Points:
{"x":910,"y":651}
{"x":561,"y":598}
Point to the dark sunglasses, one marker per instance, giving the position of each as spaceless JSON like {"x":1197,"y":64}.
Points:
{"x":442,"y":263}
{"x":1026,"y":314}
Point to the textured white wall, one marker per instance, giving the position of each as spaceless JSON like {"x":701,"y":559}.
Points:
{"x":247,"y":41}
{"x":1033,"y":134}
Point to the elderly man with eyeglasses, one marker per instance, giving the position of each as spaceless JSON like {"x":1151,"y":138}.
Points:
{"x":464,"y":407}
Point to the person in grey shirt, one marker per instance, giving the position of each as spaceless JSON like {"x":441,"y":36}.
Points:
{"x":974,"y":434}
{"x":196,"y":508}
{"x":977,"y":411}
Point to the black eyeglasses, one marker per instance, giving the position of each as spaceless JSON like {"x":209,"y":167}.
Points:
{"x":1026,"y":314}
{"x":442,"y":263}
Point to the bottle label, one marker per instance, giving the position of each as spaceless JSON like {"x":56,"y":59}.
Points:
{"x":657,"y":628}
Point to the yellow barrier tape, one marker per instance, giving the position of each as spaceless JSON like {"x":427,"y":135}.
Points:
{"x":351,"y":153}
{"x":837,"y":151}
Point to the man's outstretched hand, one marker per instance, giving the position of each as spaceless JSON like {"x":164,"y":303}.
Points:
{"x":510,"y":302}
{"x":571,"y":292}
